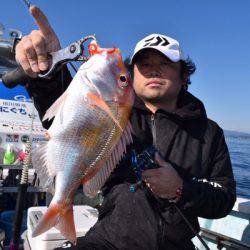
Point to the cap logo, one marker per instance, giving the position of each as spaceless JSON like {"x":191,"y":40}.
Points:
{"x":155,"y":41}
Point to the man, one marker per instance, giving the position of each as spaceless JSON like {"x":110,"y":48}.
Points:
{"x":195,"y":176}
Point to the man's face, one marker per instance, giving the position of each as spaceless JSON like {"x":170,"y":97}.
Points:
{"x":156,"y":78}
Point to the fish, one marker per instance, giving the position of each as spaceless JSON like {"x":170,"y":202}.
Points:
{"x":88,"y":136}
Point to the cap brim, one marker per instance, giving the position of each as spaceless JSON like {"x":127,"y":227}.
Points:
{"x":171,"y":55}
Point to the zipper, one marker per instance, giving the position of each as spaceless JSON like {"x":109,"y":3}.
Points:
{"x":160,"y":219}
{"x":153,"y":129}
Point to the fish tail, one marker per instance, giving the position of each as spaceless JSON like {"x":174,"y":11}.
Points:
{"x":62,"y":218}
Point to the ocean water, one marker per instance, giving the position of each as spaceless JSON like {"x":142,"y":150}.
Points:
{"x":239,"y":147}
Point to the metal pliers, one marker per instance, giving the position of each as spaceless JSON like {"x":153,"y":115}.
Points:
{"x":74,"y":52}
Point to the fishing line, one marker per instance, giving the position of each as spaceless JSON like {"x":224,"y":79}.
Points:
{"x":191,"y":227}
{"x":73,"y":66}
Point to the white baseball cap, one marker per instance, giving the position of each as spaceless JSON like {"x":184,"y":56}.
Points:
{"x":168,"y":46}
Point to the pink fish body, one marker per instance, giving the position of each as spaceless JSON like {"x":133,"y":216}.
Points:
{"x":87,"y":138}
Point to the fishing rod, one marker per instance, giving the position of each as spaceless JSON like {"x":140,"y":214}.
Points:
{"x":144,"y":161}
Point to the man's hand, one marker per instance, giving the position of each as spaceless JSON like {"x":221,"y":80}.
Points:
{"x":163,"y":181}
{"x":32,"y":51}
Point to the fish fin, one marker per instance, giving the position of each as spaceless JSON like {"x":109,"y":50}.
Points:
{"x":40,"y":165}
{"x":99,"y":102}
{"x":66,"y":225}
{"x":60,"y":217}
{"x":92,"y":186}
{"x":49,"y":220}
{"x":54,"y":109}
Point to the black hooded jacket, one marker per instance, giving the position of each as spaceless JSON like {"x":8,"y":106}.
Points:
{"x":186,"y":138}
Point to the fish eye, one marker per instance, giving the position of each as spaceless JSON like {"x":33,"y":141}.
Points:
{"x":123,"y":78}
{"x":123,"y":81}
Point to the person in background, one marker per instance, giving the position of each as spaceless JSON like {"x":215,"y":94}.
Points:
{"x":195,"y":173}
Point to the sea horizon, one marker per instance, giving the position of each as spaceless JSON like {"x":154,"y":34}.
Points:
{"x":236,"y":131}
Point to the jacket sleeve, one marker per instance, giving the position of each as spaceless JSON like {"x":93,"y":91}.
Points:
{"x":46,"y":91}
{"x":214,"y":197}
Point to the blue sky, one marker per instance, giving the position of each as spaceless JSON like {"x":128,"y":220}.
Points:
{"x":215,"y":34}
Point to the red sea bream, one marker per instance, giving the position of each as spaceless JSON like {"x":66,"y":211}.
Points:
{"x":87,"y":138}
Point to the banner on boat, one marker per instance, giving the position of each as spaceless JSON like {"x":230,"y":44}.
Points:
{"x":16,"y":112}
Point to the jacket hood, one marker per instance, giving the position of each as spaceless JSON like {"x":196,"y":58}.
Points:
{"x":188,"y":107}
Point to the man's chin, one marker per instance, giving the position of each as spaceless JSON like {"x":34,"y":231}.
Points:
{"x":157,"y":98}
{"x":152,"y":98}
